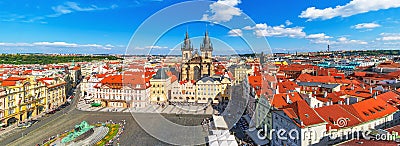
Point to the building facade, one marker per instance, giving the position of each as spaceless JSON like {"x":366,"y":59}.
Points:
{"x":126,"y":91}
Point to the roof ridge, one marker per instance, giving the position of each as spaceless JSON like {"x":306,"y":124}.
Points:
{"x":351,"y":113}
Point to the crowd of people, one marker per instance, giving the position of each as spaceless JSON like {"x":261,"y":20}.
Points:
{"x":206,"y":124}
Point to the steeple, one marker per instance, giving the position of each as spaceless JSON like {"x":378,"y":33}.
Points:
{"x":187,"y":44}
{"x":186,"y":48}
{"x":206,"y":45}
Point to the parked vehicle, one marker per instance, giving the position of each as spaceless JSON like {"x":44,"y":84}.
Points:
{"x":33,"y":121}
{"x":51,"y":112}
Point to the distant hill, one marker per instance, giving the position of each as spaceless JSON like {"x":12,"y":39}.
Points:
{"x":18,"y":59}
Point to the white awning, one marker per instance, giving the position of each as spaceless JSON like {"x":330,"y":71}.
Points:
{"x":219,"y":122}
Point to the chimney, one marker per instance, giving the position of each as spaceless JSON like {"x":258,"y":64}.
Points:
{"x":277,"y":89}
{"x":325,"y":94}
{"x":352,"y":86}
{"x":370,"y":90}
{"x":375,"y":95}
{"x":288,"y":99}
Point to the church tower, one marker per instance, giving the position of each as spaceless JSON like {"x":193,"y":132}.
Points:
{"x":186,"y":49}
{"x":206,"y":47}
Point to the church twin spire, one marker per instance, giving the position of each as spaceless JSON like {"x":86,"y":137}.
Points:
{"x":206,"y":45}
{"x":187,"y":48}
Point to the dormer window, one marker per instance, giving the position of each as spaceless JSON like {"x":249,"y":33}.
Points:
{"x":377,"y":109}
{"x":372,"y":112}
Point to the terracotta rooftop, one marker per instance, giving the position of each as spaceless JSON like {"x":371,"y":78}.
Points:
{"x":279,"y":100}
{"x":300,"y":110}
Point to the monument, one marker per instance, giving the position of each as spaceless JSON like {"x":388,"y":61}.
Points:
{"x":80,"y":132}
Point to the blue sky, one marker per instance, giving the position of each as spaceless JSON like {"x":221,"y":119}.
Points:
{"x":78,"y":26}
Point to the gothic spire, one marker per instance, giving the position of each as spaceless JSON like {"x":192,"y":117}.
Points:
{"x":206,"y":42}
{"x":187,"y":44}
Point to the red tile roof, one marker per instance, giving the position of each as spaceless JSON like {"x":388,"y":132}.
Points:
{"x":320,"y":79}
{"x":76,"y":68}
{"x":8,"y":83}
{"x":370,"y":109}
{"x":391,"y":98}
{"x":128,"y":79}
{"x":394,"y":74}
{"x":334,"y":97}
{"x":279,"y":100}
{"x":358,"y":92}
{"x":335,"y":113}
{"x":255,"y":81}
{"x":14,"y":79}
{"x":287,"y":86}
{"x":359,"y":74}
{"x":389,"y":64}
{"x":301,"y":110}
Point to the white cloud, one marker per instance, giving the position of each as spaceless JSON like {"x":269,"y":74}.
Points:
{"x":235,"y":32}
{"x":247,"y":28}
{"x":344,"y":40}
{"x":287,"y":22}
{"x":57,"y":44}
{"x":322,"y":38}
{"x":223,"y":11}
{"x":389,"y":37}
{"x":109,"y":45}
{"x":151,"y":47}
{"x":318,"y":36}
{"x":352,"y":8}
{"x":16,"y":44}
{"x":70,"y":7}
{"x":366,"y":26}
{"x":263,"y":29}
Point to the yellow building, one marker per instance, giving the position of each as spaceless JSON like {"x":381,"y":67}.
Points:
{"x":213,"y":89}
{"x":160,"y":89}
{"x":25,"y":97}
{"x":2,"y":106}
{"x":240,"y":72}
{"x":54,"y":92}
{"x":280,"y":63}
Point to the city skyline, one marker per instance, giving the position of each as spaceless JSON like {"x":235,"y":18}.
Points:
{"x":106,"y":27}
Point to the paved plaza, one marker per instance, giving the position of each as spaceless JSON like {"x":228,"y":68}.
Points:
{"x":153,"y":108}
{"x":133,"y":135}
